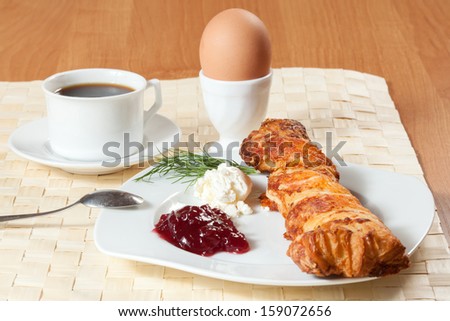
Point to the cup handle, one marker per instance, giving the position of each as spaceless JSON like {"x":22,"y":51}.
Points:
{"x":158,"y":99}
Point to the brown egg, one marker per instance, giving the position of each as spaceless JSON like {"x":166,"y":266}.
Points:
{"x":235,"y":45}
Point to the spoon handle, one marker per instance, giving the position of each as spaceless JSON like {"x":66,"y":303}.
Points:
{"x":19,"y":216}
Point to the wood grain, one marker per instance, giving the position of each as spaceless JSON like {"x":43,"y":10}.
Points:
{"x":405,"y":41}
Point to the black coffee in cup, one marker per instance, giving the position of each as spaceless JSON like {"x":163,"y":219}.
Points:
{"x":90,"y":110}
{"x":93,"y":90}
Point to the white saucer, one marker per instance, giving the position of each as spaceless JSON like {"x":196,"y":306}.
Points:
{"x":31,"y":142}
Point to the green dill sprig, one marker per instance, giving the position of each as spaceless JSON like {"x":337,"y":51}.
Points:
{"x":187,"y":167}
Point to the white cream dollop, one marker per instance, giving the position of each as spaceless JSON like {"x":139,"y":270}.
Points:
{"x":226,"y":188}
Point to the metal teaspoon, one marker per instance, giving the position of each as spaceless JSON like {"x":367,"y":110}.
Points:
{"x":104,"y":198}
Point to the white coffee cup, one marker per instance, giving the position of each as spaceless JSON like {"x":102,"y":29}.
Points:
{"x":235,"y":108}
{"x":80,"y":127}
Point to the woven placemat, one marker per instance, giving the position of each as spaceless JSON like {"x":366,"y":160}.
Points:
{"x":54,"y":257}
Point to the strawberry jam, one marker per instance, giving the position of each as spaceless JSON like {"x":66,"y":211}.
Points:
{"x":202,"y":230}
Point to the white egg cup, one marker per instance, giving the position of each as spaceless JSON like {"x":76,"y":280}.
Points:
{"x":235,"y":108}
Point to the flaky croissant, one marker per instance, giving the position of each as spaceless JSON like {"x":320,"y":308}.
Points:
{"x":331,"y":233}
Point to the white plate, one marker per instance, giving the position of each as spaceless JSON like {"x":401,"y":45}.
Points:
{"x":404,"y":203}
{"x":31,"y":142}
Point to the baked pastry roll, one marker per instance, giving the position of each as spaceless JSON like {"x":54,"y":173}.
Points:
{"x":331,"y":233}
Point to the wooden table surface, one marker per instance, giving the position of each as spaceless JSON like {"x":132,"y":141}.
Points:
{"x":405,"y":41}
